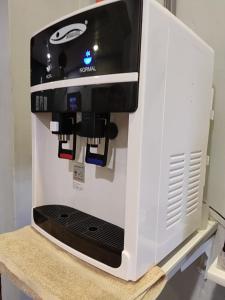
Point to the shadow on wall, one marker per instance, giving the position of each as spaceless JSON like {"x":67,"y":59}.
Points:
{"x":190,"y":285}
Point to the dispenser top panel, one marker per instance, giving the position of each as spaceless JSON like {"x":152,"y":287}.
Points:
{"x":99,"y":41}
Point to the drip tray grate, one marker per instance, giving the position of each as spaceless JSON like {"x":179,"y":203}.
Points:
{"x":94,"y":237}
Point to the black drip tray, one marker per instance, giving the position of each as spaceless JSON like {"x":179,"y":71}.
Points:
{"x":94,"y":237}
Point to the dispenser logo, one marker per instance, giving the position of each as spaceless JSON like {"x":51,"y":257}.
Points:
{"x":68,"y":33}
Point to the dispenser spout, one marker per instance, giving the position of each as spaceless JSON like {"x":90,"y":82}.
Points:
{"x":97,"y":127}
{"x":64,"y":125}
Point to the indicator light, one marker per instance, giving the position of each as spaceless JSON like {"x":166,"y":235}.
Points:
{"x":88,"y":58}
{"x":96,"y":47}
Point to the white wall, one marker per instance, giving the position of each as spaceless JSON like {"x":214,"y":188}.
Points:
{"x":27,"y":17}
{"x":6,"y":126}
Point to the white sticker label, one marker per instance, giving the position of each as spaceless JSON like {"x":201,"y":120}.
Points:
{"x":79,"y":173}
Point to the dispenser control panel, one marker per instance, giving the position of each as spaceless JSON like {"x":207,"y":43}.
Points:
{"x":105,"y":40}
{"x":118,"y":97}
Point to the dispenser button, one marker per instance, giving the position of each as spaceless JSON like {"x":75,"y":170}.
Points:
{"x":54,"y":126}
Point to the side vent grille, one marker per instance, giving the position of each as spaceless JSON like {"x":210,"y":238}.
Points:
{"x":194,"y":182}
{"x":175,"y":189}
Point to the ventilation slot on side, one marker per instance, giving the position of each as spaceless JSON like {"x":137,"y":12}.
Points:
{"x":194,"y":182}
{"x":175,"y":189}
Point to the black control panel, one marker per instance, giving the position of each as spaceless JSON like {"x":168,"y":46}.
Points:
{"x":118,"y":97}
{"x":100,"y":41}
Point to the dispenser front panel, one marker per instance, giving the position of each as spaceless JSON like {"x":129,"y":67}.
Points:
{"x":100,"y":41}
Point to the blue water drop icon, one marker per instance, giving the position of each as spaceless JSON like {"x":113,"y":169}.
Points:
{"x":88,"y":58}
